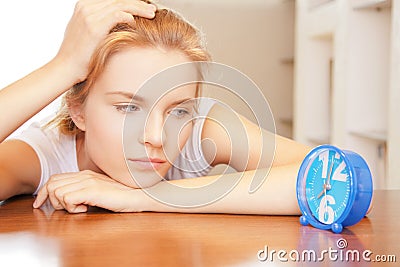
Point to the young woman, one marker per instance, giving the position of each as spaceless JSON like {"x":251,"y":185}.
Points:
{"x":87,"y":156}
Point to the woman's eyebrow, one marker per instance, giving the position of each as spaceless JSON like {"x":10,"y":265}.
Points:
{"x":131,"y":96}
{"x":183,"y":101}
{"x":126,"y":94}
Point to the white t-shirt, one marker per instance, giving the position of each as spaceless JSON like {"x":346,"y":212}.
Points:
{"x":57,"y":152}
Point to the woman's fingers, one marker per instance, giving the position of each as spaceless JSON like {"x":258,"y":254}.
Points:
{"x":64,"y":193}
{"x":134,"y":7}
{"x":48,"y":191}
{"x":103,"y":15}
{"x":76,"y":191}
{"x":75,"y":201}
{"x":59,"y":189}
{"x":41,"y":197}
{"x":138,"y":8}
{"x":90,"y":23}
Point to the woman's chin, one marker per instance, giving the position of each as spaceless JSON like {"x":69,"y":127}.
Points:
{"x":143,"y":180}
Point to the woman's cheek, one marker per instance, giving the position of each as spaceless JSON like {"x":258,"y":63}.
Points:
{"x":104,"y":139}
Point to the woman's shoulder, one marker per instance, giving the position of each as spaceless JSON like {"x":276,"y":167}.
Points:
{"x":41,"y":132}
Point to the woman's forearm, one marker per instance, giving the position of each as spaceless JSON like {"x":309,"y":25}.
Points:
{"x":27,"y":96}
{"x":276,"y":195}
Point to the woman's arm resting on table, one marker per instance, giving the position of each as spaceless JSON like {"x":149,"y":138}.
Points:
{"x":276,"y":194}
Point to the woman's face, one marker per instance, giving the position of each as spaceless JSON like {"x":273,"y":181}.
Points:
{"x":144,"y":129}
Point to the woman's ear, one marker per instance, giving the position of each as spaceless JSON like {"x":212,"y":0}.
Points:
{"x":77,"y":114}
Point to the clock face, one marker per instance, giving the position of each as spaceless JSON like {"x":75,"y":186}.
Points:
{"x":327,"y":185}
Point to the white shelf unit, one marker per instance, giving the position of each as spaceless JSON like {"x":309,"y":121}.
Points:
{"x":347,"y":85}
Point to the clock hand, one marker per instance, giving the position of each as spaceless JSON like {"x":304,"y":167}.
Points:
{"x":322,"y":192}
{"x":326,"y":203}
{"x":327,"y":185}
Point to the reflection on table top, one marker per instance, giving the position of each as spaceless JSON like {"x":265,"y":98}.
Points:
{"x":100,"y":238}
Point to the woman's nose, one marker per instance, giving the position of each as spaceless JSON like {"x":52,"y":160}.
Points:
{"x":154,"y":133}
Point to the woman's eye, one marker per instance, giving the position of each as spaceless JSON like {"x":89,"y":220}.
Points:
{"x":127,"y":108}
{"x":179,"y":112}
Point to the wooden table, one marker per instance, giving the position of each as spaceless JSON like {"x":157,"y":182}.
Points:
{"x":44,"y":237}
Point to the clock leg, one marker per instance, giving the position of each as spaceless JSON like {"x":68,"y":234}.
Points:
{"x":337,"y":228}
{"x":303,"y":220}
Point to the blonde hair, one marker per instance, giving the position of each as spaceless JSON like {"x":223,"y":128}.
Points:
{"x":167,"y":30}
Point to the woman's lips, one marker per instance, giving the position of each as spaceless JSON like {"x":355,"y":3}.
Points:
{"x":148,"y":163}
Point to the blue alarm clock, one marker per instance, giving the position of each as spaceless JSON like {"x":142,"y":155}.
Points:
{"x":334,"y":188}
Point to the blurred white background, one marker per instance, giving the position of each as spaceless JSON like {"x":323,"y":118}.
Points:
{"x":31,"y":33}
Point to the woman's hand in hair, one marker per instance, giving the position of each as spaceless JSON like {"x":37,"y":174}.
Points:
{"x":75,"y":192}
{"x":90,"y":23}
